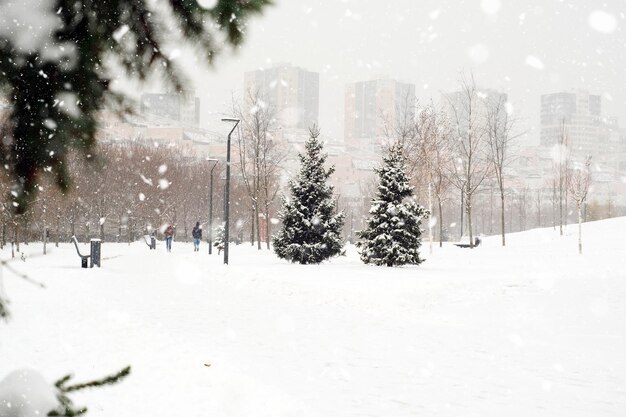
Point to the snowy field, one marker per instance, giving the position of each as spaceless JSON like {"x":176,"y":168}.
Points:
{"x":532,"y":329}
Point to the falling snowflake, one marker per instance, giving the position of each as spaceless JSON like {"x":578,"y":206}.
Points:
{"x":602,"y":22}
{"x":164,"y":184}
{"x":478,"y":53}
{"x":534,"y":62}
{"x":490,"y":7}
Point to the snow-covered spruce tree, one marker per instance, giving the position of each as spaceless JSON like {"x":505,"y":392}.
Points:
{"x":311,"y":226}
{"x":220,"y":235}
{"x":393,"y":235}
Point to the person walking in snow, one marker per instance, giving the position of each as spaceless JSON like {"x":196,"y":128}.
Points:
{"x":196,"y":233}
{"x":169,"y":235}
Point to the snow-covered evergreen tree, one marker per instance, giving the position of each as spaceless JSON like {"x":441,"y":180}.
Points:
{"x":311,"y":226}
{"x":220,"y":236}
{"x":393,"y":235}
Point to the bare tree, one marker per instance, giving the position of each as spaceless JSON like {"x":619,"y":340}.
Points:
{"x":499,"y":126}
{"x":521,"y":201}
{"x":430,"y":156}
{"x":470,"y":145}
{"x":578,"y":182}
{"x":610,"y":201}
{"x":554,"y":199}
{"x":259,"y":158}
{"x":562,"y":158}
{"x":273,"y":155}
{"x":538,"y":204}
{"x":424,"y":134}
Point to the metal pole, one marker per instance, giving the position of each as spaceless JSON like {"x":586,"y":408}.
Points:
{"x":211,"y":211}
{"x":227,"y":192}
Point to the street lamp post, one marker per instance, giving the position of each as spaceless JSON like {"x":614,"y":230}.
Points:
{"x":211,"y":206}
{"x":227,"y":188}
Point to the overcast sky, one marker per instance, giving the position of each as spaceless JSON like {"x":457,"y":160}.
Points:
{"x":522,"y":47}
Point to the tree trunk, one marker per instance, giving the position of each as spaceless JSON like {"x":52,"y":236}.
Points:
{"x":502,"y":225}
{"x":101,"y":231}
{"x":554,"y":209}
{"x":45,"y":239}
{"x":267,"y":226}
{"x":491,"y":209}
{"x":566,"y":198}
{"x":468,"y":202}
{"x":538,"y":209}
{"x":119,"y":228}
{"x":580,"y":228}
{"x":252,"y":224}
{"x":26,"y":237}
{"x":561,"y":207}
{"x":58,"y":231}
{"x":440,"y":222}
{"x":4,"y":234}
{"x":16,"y":236}
{"x":430,"y":216}
{"x":258,"y":226}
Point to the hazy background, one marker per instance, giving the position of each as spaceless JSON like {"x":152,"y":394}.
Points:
{"x":525,"y":48}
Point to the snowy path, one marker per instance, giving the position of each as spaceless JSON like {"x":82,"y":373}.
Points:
{"x":469,"y":333}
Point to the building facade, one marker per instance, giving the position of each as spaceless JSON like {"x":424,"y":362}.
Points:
{"x":374,"y":109}
{"x":293,"y":93}
{"x":575,"y":119}
{"x":183,"y":107}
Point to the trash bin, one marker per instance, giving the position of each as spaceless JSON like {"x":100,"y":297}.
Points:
{"x":95,"y":252}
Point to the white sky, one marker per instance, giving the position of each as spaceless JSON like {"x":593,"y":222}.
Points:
{"x":522,"y":47}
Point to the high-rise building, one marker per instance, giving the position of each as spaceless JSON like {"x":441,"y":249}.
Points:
{"x":183,"y":107}
{"x":374,"y":107}
{"x":577,"y":116}
{"x":292,"y":92}
{"x":478,"y":101}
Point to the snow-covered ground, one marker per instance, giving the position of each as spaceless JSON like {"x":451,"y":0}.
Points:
{"x":532,"y":329}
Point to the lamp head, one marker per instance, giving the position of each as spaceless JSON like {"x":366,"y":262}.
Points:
{"x":229,"y":119}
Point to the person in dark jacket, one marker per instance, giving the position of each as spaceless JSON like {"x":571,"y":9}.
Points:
{"x":169,"y":235}
{"x":196,"y":233}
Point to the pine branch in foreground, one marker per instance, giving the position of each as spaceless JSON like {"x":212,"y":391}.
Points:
{"x":58,"y":60}
{"x":67,"y":408}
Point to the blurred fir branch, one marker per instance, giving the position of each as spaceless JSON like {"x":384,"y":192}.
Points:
{"x":67,"y":408}
{"x":4,"y":301}
{"x":55,"y":91}
{"x":4,"y":310}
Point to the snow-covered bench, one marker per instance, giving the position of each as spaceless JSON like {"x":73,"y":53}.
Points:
{"x":150,"y":241}
{"x":467,"y":245}
{"x":94,"y":253}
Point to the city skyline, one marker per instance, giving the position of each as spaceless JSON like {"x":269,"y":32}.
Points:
{"x":273,"y":79}
{"x":522,"y":49}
